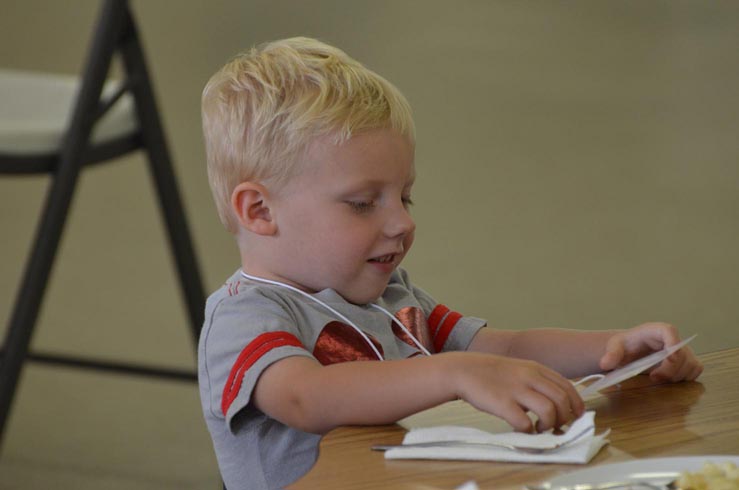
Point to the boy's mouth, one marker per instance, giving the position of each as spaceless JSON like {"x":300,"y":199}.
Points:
{"x":384,"y":259}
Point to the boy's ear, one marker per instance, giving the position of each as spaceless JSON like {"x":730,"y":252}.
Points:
{"x":250,"y":206}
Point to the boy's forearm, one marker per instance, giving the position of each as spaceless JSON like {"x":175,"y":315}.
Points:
{"x":355,"y":393}
{"x":573,"y":353}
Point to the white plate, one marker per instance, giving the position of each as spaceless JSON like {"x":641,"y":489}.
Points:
{"x":657,"y":470}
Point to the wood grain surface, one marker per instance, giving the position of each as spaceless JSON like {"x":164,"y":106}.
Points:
{"x":647,"y":420}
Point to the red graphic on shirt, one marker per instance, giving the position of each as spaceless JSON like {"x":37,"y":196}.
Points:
{"x":338,"y":342}
{"x":415,"y":321}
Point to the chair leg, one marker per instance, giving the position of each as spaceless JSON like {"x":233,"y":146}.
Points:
{"x":164,"y":178}
{"x":49,"y":232}
{"x":31,"y":292}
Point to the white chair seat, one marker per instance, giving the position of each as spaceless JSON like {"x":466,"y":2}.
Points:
{"x":35,"y":109}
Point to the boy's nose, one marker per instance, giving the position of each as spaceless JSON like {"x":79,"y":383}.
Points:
{"x":400,"y":223}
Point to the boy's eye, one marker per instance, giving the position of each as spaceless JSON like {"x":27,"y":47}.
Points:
{"x":361,"y":206}
{"x":407,"y":202}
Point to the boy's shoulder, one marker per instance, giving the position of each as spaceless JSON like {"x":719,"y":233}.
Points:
{"x":234,"y":287}
{"x":238,"y":293}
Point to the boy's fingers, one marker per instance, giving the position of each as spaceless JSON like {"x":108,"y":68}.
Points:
{"x":681,"y":365}
{"x":516,"y":416}
{"x":614,"y":354}
{"x":561,"y":401}
{"x":667,"y":369}
{"x":697,"y":370}
{"x":572,"y":401}
{"x":663,"y":372}
{"x":670,"y":335}
{"x":656,"y":336}
{"x":543,"y":407}
{"x":687,"y":368}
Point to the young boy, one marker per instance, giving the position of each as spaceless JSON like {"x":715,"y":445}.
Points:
{"x":310,"y":158}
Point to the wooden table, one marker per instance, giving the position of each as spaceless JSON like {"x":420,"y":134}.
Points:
{"x":646,"y":420}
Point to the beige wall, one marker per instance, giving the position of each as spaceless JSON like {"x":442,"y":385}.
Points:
{"x":578,"y":161}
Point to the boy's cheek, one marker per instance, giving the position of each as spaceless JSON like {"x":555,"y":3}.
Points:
{"x":408,"y":242}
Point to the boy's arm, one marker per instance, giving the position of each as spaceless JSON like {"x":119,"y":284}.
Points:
{"x":575,"y":353}
{"x":572,"y":353}
{"x":302,"y":393}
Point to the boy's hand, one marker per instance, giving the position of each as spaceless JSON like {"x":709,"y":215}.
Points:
{"x":642,"y":340}
{"x":509,"y":388}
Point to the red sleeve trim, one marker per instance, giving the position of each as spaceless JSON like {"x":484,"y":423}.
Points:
{"x":445,"y":329}
{"x":251,"y":354}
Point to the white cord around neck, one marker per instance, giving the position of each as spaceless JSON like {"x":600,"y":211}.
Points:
{"x":342,"y":317}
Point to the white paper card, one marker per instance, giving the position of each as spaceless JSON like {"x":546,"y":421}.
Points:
{"x":633,"y":368}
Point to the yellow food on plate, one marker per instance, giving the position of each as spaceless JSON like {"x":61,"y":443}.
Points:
{"x":723,"y":476}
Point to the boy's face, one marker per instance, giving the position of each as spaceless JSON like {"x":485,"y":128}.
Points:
{"x":343,"y":222}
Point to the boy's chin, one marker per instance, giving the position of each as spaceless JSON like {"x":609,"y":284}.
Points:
{"x":363,"y":298}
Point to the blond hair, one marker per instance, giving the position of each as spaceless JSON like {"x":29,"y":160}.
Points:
{"x":265,"y":107}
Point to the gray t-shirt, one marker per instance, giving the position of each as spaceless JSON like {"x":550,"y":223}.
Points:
{"x":250,"y":325}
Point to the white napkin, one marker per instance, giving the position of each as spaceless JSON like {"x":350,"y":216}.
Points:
{"x":580,"y":451}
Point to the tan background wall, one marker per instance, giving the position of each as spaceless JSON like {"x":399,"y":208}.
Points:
{"x":578,"y":163}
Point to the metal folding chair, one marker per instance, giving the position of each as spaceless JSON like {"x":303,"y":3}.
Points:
{"x":88,"y":122}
